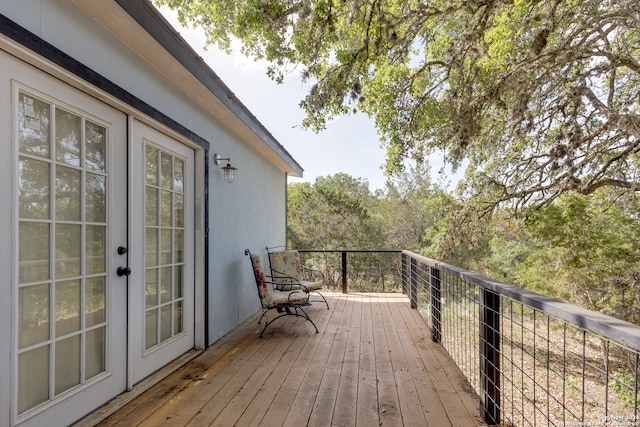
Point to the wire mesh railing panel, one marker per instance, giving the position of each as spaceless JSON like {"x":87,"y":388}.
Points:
{"x":533,"y":361}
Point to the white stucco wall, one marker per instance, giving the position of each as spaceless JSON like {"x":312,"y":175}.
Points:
{"x":249,"y":213}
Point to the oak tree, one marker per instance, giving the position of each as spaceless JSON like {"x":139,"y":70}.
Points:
{"x":539,"y":97}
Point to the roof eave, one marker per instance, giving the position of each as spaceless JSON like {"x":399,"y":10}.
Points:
{"x":142,"y":28}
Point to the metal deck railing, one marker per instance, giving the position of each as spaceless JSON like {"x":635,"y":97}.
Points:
{"x":532,"y":360}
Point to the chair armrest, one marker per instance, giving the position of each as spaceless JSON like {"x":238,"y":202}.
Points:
{"x":286,"y":280}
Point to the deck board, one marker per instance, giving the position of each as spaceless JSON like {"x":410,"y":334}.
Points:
{"x":372,"y":363}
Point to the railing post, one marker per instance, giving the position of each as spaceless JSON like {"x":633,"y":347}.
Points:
{"x":490,"y":356}
{"x":436,"y":315}
{"x":344,"y":272}
{"x":413,"y":284}
{"x":404,"y":274}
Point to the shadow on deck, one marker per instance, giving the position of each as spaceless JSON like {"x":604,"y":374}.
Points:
{"x":373,"y":363}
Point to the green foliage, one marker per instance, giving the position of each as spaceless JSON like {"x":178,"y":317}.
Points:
{"x":333,"y":213}
{"x":623,"y":384}
{"x":539,"y":97}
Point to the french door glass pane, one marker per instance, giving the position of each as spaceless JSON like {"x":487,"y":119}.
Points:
{"x":95,"y":248}
{"x":95,"y":139}
{"x":95,"y":297}
{"x":33,"y":378}
{"x":68,"y":134}
{"x":33,"y":126}
{"x":95,"y":353}
{"x":152,"y":246}
{"x":62,"y":250}
{"x":68,"y":246}
{"x":34,"y":252}
{"x":151,"y":328}
{"x":67,"y":194}
{"x":96,"y":193}
{"x":164,"y":227}
{"x":67,"y":370}
{"x":34,"y":189}
{"x":151,"y":294}
{"x":67,"y":307}
{"x":152,"y":207}
{"x":33,"y":315}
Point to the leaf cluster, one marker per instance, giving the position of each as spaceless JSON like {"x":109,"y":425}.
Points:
{"x":541,"y":98}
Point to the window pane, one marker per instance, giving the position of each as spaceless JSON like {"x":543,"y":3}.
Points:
{"x":95,"y":301}
{"x":67,"y":373}
{"x":33,"y":315}
{"x":95,"y":147}
{"x":166,"y":209}
{"x":178,"y":175}
{"x":67,"y":307}
{"x":166,"y":171}
{"x":96,"y":208}
{"x":151,"y":329}
{"x":165,"y":284}
{"x":33,"y":132}
{"x":95,"y":246}
{"x":95,"y":353}
{"x":165,"y":245}
{"x":151,"y":206}
{"x":33,"y":378}
{"x":34,"y":252}
{"x":68,"y":132}
{"x":152,"y":246}
{"x":34,"y":189}
{"x":151,"y":294}
{"x":177,"y":250}
{"x":67,"y":250}
{"x":177,"y":318}
{"x":67,"y":194}
{"x":152,"y":166}
{"x":178,"y":282}
{"x":179,"y":210}
{"x":166,"y":331}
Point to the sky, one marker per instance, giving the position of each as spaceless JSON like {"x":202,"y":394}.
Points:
{"x":349,"y":144}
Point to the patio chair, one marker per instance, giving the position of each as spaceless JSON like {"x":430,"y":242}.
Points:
{"x":285,"y":303}
{"x":287,"y":273}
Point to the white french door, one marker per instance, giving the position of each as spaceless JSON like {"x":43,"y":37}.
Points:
{"x":102,"y":271}
{"x":69,"y":305}
{"x":162,"y":250}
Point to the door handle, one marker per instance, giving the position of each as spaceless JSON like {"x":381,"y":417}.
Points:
{"x":123,"y":271}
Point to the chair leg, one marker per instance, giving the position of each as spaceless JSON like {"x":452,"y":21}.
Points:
{"x":325,"y":300}
{"x":264,"y":314}
{"x":288,"y":312}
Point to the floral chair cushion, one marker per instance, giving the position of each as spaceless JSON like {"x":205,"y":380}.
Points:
{"x":287,"y":272}
{"x":270,"y":299}
{"x":263,"y":286}
{"x":279,"y":299}
{"x":286,"y":266}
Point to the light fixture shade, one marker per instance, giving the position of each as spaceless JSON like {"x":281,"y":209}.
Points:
{"x":228,"y":170}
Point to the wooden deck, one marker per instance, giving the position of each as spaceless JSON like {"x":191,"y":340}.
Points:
{"x":373,"y":363}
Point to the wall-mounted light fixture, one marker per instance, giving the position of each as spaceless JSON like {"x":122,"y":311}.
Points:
{"x":228,"y":170}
